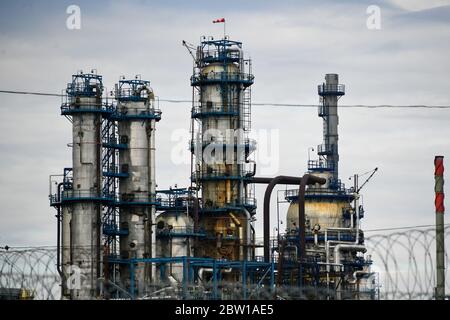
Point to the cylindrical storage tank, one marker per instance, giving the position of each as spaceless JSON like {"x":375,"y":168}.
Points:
{"x":174,"y":238}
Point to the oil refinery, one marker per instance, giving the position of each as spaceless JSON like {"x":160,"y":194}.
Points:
{"x":126,"y":239}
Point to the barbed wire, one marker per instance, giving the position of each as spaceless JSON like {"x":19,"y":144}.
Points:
{"x":32,"y":269}
{"x":404,"y":261}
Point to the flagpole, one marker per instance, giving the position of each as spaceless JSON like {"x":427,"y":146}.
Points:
{"x":224,"y":34}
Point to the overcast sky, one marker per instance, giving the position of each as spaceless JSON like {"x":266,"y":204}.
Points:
{"x":293,"y":44}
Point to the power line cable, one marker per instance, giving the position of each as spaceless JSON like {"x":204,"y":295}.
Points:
{"x":266,"y":104}
{"x":404,"y":228}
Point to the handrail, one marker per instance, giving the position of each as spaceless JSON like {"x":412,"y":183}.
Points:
{"x":220,"y":173}
{"x":222,"y":76}
{"x":324,"y":89}
{"x":223,"y":141}
{"x":320,"y":164}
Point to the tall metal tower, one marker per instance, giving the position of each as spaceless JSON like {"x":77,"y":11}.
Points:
{"x":330,"y":92}
{"x":334,"y":239}
{"x":83,"y":190}
{"x":220,"y":147}
{"x":136,"y":114}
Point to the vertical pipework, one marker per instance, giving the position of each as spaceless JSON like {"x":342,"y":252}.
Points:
{"x":439,"y":204}
{"x":64,"y":238}
{"x":152,"y":180}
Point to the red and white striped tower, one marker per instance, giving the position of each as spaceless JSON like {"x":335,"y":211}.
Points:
{"x":439,"y":203}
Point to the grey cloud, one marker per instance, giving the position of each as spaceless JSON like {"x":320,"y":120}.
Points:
{"x":292,"y":46}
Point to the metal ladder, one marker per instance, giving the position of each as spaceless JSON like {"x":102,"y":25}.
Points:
{"x":246,"y":110}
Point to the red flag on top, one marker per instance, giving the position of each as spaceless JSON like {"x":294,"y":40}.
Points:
{"x":219,"y":20}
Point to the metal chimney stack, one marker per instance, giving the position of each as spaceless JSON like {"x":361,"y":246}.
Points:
{"x":330,"y":92}
{"x":440,"y":240}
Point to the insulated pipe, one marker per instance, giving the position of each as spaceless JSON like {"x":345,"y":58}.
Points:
{"x":196,"y":221}
{"x":58,"y":233}
{"x":196,"y":206}
{"x":301,"y":213}
{"x":342,"y":247}
{"x":355,"y":275}
{"x":337,"y":256}
{"x":272,"y":182}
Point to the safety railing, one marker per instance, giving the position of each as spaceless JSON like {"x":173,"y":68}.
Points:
{"x":137,"y":197}
{"x":179,"y":231}
{"x":113,"y":142}
{"x":209,"y":56}
{"x":233,"y":77}
{"x":79,"y":195}
{"x":122,"y":113}
{"x":235,"y":142}
{"x":322,"y":110}
{"x":341,"y":192}
{"x":83,"y":90}
{"x":130,"y":94}
{"x":70,"y":107}
{"x":319,"y":165}
{"x":54,"y":200}
{"x":326,"y":149}
{"x":246,"y":202}
{"x":215,"y":109}
{"x":219,"y":174}
{"x":331,"y":89}
{"x":116,"y":171}
{"x":175,"y":203}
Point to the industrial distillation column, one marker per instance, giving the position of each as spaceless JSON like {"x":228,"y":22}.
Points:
{"x":330,"y":92}
{"x":324,"y":204}
{"x":84,"y":106}
{"x":136,"y":115}
{"x":220,"y":123}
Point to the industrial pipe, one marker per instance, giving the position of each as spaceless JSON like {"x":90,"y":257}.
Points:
{"x":342,"y":247}
{"x":58,"y":232}
{"x":337,"y":256}
{"x":196,"y":217}
{"x":272,"y":182}
{"x":301,"y":212}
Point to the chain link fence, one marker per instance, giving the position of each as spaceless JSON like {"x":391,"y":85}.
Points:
{"x":404,"y":261}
